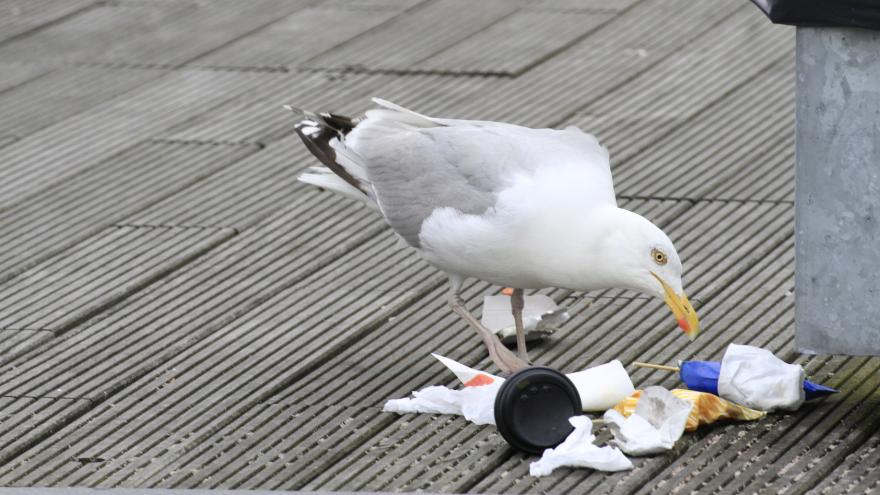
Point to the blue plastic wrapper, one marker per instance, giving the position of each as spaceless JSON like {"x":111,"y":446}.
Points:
{"x":703,"y":376}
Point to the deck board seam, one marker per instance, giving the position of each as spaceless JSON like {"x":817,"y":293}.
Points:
{"x":129,"y":292}
{"x":638,"y":73}
{"x":9,"y":456}
{"x":53,"y":22}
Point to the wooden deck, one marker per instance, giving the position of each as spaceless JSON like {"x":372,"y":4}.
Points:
{"x":178,"y":311}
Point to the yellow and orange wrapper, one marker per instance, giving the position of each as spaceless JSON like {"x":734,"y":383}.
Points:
{"x":708,"y":408}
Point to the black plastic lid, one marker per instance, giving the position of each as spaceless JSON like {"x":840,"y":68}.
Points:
{"x":532,"y":409}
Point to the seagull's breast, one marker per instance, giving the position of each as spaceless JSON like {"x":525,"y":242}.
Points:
{"x":533,"y":236}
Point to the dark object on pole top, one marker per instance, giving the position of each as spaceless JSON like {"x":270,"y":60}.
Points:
{"x":828,"y":13}
{"x":532,"y":409}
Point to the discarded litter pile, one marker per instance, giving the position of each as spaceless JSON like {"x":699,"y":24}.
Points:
{"x":749,"y":382}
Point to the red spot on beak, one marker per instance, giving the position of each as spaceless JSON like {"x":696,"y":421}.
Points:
{"x":683,"y":324}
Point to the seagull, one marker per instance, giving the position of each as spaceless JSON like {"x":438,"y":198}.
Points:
{"x":515,"y":206}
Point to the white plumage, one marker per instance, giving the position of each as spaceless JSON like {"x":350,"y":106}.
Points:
{"x":515,"y":206}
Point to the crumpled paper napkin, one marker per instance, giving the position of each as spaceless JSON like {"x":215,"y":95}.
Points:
{"x":476,"y":401}
{"x":657,"y":423}
{"x":578,"y":450}
{"x":476,"y":404}
{"x":755,"y":378}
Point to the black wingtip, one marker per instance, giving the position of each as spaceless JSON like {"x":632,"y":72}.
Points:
{"x":316,"y":130}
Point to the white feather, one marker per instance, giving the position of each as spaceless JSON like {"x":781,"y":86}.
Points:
{"x":328,"y":180}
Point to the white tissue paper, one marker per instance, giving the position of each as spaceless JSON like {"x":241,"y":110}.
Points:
{"x":602,"y":387}
{"x":476,"y":404}
{"x":755,"y":378}
{"x":657,"y":423}
{"x":578,"y":450}
{"x":476,"y":401}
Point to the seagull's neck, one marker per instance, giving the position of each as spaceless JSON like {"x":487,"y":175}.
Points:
{"x":596,"y":254}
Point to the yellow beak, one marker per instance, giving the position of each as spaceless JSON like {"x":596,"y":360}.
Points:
{"x":681,"y":308}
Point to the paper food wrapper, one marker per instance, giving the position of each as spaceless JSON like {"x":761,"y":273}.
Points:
{"x":656,"y":423}
{"x":756,"y":378}
{"x":707,"y":408}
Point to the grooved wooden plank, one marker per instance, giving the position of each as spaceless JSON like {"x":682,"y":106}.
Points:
{"x":14,"y":341}
{"x":102,"y":270}
{"x":61,"y":151}
{"x":107,"y":193}
{"x":18,"y":17}
{"x":257,"y":115}
{"x":242,"y":195}
{"x":739,"y":141}
{"x":514,"y":43}
{"x":698,"y":101}
{"x":408,"y":39}
{"x":302,"y":35}
{"x":263,"y":363}
{"x":638,"y":40}
{"x":167,"y":33}
{"x":273,"y":342}
{"x":400,"y":370}
{"x":19,"y":417}
{"x":12,"y":74}
{"x":62,"y":93}
{"x":167,"y":317}
{"x":854,"y":474}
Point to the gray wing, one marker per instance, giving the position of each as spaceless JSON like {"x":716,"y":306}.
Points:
{"x":418,"y":171}
{"x":416,"y":164}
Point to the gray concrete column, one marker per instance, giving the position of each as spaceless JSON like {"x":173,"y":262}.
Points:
{"x":837,"y":304}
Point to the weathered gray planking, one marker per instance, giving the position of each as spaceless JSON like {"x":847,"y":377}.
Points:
{"x":659,"y":115}
{"x":13,"y":75}
{"x":738,"y":141}
{"x":67,"y":148}
{"x":263,"y":363}
{"x":21,"y":17}
{"x":14,"y":341}
{"x":109,"y":192}
{"x":146,"y":33}
{"x":855,"y":473}
{"x":257,"y":115}
{"x":302,"y":35}
{"x":514,"y":43}
{"x":99,"y":272}
{"x":409,"y":380}
{"x":403,"y":366}
{"x":64,"y":92}
{"x":407,"y":39}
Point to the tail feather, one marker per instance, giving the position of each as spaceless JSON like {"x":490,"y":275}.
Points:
{"x":326,"y":135}
{"x":319,"y":132}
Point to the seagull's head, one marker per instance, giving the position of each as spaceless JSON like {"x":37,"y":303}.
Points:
{"x":652,"y":266}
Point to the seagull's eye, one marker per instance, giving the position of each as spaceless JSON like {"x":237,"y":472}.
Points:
{"x":659,"y":256}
